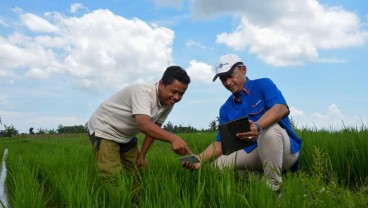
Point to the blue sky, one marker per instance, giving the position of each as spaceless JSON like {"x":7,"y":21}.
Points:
{"x":60,"y":59}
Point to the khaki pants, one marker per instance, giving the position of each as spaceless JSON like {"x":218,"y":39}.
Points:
{"x":272,"y":156}
{"x":112,"y":157}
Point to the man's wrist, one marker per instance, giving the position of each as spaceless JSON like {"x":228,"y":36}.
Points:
{"x":199,"y":157}
{"x":259,"y":127}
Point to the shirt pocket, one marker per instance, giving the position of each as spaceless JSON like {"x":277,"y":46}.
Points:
{"x":256,"y":107}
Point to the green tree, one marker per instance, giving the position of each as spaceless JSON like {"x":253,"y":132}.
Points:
{"x":169,"y":127}
{"x":213,"y":126}
{"x":41,"y":131}
{"x":9,"y":131}
{"x":51,"y":131}
{"x":31,"y":130}
{"x":72,"y":129}
{"x":179,"y":129}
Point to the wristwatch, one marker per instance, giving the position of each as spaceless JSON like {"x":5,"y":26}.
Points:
{"x":260,"y":129}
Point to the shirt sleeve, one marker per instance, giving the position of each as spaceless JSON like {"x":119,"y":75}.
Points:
{"x":141,"y":102}
{"x":272,"y":95}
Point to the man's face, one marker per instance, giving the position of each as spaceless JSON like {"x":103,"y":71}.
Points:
{"x":235,"y":81}
{"x":172,"y":93}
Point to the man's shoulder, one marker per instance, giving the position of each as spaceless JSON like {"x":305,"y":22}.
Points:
{"x":261,"y":80}
{"x":142,"y":85}
{"x":262,"y":83}
{"x":135,"y":90}
{"x":145,"y":87}
{"x":228,"y":101}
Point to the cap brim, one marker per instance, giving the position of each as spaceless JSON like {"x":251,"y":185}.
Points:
{"x":215,"y":77}
{"x":224,"y":73}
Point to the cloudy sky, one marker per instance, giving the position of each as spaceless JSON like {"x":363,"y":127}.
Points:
{"x":60,"y":59}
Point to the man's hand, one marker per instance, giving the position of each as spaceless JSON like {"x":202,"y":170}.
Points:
{"x":141,"y":162}
{"x":191,"y":166}
{"x":152,"y":130}
{"x":250,"y":135}
{"x":269,"y":118}
{"x":179,"y":146}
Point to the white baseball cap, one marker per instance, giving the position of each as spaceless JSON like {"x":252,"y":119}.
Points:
{"x":227,"y":64}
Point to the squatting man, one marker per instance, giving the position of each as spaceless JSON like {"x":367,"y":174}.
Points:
{"x":275,"y":145}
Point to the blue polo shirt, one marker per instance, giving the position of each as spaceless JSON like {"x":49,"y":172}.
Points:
{"x":257,"y":97}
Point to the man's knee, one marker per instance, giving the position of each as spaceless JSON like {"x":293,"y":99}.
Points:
{"x":272,"y":134}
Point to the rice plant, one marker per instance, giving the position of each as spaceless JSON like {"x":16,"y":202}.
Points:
{"x":60,"y":171}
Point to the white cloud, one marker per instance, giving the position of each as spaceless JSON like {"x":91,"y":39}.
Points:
{"x":272,"y":46}
{"x":295,"y":112}
{"x":291,"y":33}
{"x":6,"y":73}
{"x":192,"y":43}
{"x":36,"y":73}
{"x":200,"y":72}
{"x":333,"y":110}
{"x":19,"y":51}
{"x":333,"y":119}
{"x":77,"y":6}
{"x":99,"y":49}
{"x":38,"y":24}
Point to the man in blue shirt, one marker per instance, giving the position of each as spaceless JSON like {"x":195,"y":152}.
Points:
{"x":275,"y":145}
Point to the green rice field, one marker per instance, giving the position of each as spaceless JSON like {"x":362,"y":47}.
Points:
{"x":59,"y":171}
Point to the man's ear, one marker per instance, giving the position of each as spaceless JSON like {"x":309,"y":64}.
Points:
{"x":161,"y":83}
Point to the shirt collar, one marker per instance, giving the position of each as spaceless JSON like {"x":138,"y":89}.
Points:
{"x":245,"y":90}
{"x":158,"y":97}
{"x":247,"y":86}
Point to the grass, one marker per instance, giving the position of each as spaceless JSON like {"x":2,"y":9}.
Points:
{"x":59,"y":171}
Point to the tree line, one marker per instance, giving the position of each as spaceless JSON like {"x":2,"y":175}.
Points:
{"x":11,"y":131}
{"x":213,"y":126}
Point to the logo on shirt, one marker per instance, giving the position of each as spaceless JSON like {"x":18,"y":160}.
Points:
{"x":259,"y":101}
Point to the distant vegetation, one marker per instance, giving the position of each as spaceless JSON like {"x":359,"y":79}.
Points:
{"x":72,"y":129}
{"x":11,"y":131}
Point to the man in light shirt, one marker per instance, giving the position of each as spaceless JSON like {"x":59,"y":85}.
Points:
{"x":137,"y":108}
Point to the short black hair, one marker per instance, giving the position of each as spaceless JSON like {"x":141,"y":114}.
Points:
{"x":173,"y":73}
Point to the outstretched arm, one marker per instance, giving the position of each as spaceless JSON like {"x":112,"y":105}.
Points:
{"x":212,"y":152}
{"x":152,"y":130}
